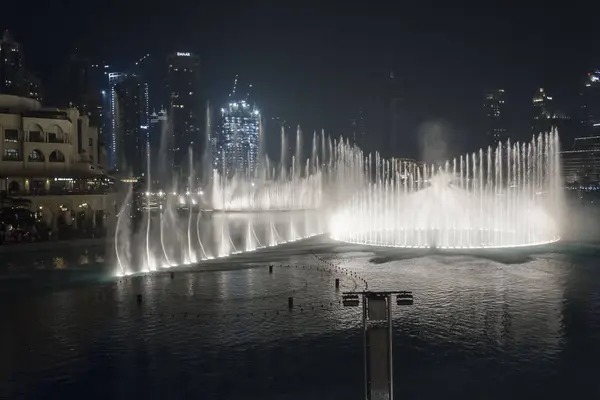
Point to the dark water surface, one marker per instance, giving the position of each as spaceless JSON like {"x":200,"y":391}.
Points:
{"x":512,"y":324}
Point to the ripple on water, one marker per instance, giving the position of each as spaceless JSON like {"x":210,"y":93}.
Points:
{"x":477,"y":325}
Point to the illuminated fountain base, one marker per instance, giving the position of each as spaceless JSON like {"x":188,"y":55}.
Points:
{"x":170,"y":240}
{"x":507,"y":197}
{"x":433,"y":239}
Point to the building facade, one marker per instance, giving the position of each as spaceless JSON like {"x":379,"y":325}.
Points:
{"x":11,"y":65}
{"x":495,"y":116}
{"x":236,"y":142}
{"x":543,"y":112}
{"x":186,"y":107}
{"x":113,"y":79}
{"x":590,"y":105}
{"x":158,"y":126}
{"x":131,"y":122}
{"x":14,"y":78}
{"x":49,"y":160}
{"x":581,"y":164}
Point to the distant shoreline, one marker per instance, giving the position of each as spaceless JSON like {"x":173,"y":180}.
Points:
{"x":53,"y":244}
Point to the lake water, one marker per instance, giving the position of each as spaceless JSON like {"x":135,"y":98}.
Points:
{"x":510,"y":324}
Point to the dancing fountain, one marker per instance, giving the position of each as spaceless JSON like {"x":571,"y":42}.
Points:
{"x":508,"y":196}
{"x":232,"y":214}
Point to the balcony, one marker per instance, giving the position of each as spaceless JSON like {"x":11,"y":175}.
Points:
{"x":56,"y":192}
{"x":36,"y":136}
{"x":52,"y":138}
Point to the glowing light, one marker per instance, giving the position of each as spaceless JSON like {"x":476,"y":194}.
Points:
{"x":468,"y":204}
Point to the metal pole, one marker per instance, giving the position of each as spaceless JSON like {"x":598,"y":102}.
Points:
{"x":390,"y":353}
{"x":365,"y":345}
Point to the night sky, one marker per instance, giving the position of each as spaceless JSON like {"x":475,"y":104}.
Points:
{"x":316,"y":63}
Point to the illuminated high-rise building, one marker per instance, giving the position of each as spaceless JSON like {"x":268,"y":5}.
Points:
{"x":115,"y":160}
{"x":235,"y":147}
{"x":131,"y":121}
{"x":590,"y":105}
{"x":14,"y":78}
{"x":11,"y":65}
{"x":157,"y":126}
{"x":543,"y":112}
{"x":495,"y":114}
{"x":113,"y":142}
{"x":186,"y":109}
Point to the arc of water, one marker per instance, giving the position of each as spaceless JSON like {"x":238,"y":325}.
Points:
{"x":162,"y":241}
{"x":204,"y":255}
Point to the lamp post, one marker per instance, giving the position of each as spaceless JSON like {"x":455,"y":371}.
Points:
{"x":377,"y":328}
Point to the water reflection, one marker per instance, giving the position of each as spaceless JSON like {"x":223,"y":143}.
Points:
{"x":476,"y":323}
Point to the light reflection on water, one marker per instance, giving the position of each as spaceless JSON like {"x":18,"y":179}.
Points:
{"x":512,"y":325}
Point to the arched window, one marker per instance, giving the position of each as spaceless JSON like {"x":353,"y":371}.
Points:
{"x":12,"y":155}
{"x":56,"y":156}
{"x":55,"y":134}
{"x":13,"y":187}
{"x":36,"y":156}
{"x":36,"y":133}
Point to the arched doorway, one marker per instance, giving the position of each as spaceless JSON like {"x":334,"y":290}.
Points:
{"x":36,"y":156}
{"x":14,"y":188}
{"x":56,"y":156}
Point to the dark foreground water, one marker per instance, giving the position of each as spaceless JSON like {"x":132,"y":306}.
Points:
{"x":510,"y":325}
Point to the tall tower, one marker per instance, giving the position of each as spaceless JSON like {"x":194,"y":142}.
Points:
{"x":495,"y":113}
{"x":590,"y":105}
{"x":11,"y":65}
{"x":186,"y":106}
{"x":237,"y":142}
{"x":130,"y":121}
{"x":113,"y":142}
{"x":543,"y":112}
{"x":396,"y":118}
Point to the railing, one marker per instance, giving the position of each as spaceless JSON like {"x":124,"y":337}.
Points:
{"x":57,"y":192}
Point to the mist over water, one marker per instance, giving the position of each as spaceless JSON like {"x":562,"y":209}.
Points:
{"x":434,"y":141}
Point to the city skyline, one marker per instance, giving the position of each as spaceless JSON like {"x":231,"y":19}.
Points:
{"x":442,"y":77}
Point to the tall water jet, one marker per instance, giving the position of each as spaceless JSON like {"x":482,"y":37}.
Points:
{"x":488,"y":201}
{"x":123,"y":235}
{"x":298,"y":158}
{"x":284,"y":149}
{"x":190,"y":203}
{"x":205,"y":255}
{"x":149,"y":259}
{"x":250,"y":240}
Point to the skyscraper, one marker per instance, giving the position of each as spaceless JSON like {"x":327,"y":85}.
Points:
{"x":543,"y":112}
{"x":11,"y":65}
{"x":82,"y":88}
{"x":186,"y":106}
{"x":237,"y":141}
{"x":396,"y":118}
{"x":131,"y":124}
{"x":31,"y":87}
{"x":115,"y":140}
{"x":358,"y":126}
{"x":495,"y":114}
{"x":155,"y":129}
{"x":113,"y":79}
{"x":590,"y":105}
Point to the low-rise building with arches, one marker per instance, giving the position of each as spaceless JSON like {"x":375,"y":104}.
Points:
{"x":51,"y":157}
